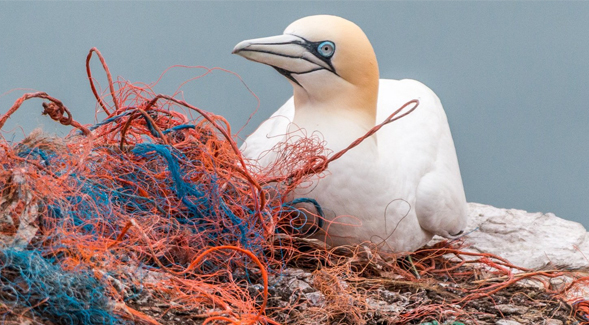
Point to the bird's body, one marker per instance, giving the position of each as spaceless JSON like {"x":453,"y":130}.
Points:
{"x":397,"y":188}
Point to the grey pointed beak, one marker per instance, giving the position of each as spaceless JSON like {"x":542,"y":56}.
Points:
{"x":283,"y":52}
{"x":280,"y":45}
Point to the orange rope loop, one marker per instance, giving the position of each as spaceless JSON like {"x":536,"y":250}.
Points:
{"x":110,"y":82}
{"x":56,"y":110}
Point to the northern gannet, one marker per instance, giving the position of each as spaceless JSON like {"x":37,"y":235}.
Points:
{"x":397,"y":188}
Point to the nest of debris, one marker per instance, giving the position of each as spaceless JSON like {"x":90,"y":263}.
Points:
{"x":154,"y":217}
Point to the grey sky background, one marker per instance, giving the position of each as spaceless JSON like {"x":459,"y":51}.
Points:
{"x":513,"y":76}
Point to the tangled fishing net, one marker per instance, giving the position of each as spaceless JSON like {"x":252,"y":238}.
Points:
{"x":152,"y":217}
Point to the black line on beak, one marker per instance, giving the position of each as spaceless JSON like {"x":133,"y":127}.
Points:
{"x":287,"y":74}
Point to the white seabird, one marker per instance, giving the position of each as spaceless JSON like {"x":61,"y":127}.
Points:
{"x":397,"y":188}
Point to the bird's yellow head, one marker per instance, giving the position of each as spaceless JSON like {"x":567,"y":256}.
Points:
{"x":326,"y":58}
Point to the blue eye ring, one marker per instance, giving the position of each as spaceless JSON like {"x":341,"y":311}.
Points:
{"x":326,"y":49}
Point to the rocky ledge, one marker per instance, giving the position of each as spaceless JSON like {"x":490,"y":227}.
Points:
{"x":530,"y":240}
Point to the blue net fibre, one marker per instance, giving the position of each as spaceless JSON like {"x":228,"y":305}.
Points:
{"x":203,"y":200}
{"x":30,"y":281}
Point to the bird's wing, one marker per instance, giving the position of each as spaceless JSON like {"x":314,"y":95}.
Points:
{"x":420,"y":146}
{"x":272,"y":131}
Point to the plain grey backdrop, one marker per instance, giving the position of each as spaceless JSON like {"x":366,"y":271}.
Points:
{"x":513,"y":76}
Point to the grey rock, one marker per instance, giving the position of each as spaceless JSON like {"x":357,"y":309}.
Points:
{"x":507,"y":322}
{"x":315,"y":299}
{"x":299,"y":285}
{"x":383,"y":306}
{"x":552,"y":322}
{"x":511,"y":309}
{"x":530,"y":240}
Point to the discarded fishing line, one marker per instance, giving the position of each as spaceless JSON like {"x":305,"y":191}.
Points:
{"x":152,"y":217}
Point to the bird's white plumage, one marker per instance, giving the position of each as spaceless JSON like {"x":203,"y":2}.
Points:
{"x":398,"y":187}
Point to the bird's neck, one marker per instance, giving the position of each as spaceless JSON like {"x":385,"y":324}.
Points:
{"x":343,"y":99}
{"x":339,"y":121}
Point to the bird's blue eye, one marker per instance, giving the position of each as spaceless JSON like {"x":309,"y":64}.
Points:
{"x":326,"y":49}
